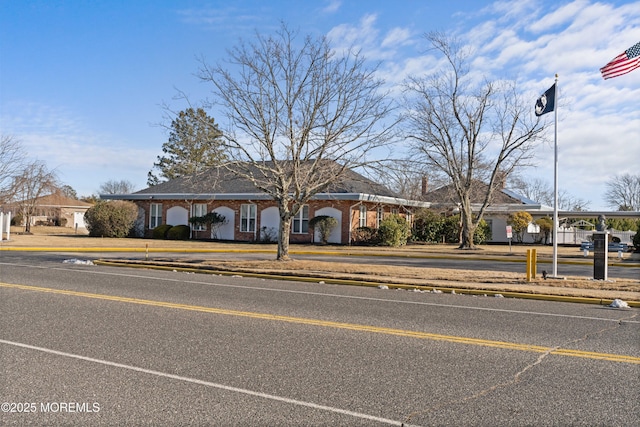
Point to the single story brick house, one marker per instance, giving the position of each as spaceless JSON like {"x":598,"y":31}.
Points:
{"x":252,"y":216}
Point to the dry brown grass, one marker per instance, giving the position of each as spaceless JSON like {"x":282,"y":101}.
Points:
{"x":411,"y":276}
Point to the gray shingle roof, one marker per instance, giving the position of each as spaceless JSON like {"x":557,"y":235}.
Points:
{"x":447,"y":195}
{"x":223,"y":181}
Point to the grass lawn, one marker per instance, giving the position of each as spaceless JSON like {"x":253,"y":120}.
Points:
{"x":56,"y":238}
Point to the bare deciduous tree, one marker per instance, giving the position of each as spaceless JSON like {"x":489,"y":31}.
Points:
{"x":469,"y":132}
{"x":535,"y":189}
{"x":623,"y":192}
{"x":116,"y":187}
{"x":12,"y":157}
{"x":407,"y":178}
{"x":300,"y":115}
{"x":541,"y":191}
{"x":35,"y":181}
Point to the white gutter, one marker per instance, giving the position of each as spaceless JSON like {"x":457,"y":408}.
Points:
{"x":362,"y":197}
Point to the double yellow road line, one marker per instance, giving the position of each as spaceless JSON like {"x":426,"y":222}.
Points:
{"x":340,"y":325}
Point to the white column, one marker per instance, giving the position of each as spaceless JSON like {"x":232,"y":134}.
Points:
{"x":7,"y":221}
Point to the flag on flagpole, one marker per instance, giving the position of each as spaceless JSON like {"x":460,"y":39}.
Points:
{"x":624,"y":63}
{"x":547,"y":102}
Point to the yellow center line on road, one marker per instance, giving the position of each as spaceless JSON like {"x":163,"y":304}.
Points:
{"x":340,"y":325}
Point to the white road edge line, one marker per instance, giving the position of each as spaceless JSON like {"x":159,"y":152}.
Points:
{"x":210,"y":384}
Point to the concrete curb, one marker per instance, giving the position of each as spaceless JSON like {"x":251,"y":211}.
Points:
{"x":294,"y":252}
{"x":463,"y":291}
{"x":315,"y":279}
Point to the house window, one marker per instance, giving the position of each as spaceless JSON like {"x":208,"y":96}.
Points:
{"x":363,"y":216}
{"x":301,"y":221}
{"x":155,"y":215}
{"x":199,"y":210}
{"x":248,"y":218}
{"x":395,"y":211}
{"x":379,"y":216}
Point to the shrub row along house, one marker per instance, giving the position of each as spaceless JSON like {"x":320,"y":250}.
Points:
{"x":251,"y":215}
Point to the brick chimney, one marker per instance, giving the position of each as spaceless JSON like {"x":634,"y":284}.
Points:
{"x":425,"y":185}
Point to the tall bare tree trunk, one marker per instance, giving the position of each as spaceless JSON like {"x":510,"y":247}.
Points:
{"x":283,"y":237}
{"x":467,"y":231}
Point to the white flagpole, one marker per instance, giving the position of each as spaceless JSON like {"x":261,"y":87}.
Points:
{"x":555,"y":183}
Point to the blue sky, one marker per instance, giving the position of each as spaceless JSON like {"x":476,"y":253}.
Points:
{"x":82,"y":83}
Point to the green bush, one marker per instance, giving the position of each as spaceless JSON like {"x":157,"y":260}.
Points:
{"x":428,"y":226}
{"x":451,"y":229}
{"x":636,"y":239}
{"x":394,"y":231}
{"x":324,"y":224}
{"x":179,"y":232}
{"x":160,"y":232}
{"x":483,"y":233}
{"x":111,"y":218}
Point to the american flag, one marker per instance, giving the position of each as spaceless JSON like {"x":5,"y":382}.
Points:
{"x":627,"y":61}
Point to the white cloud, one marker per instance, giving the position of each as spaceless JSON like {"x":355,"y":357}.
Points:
{"x":363,"y":36}
{"x":397,"y":37}
{"x":332,"y":6}
{"x":563,"y":15}
{"x":599,"y":132}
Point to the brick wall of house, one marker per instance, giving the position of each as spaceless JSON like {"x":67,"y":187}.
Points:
{"x":349,"y":209}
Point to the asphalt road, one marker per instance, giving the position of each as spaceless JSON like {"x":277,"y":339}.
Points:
{"x":93,"y":345}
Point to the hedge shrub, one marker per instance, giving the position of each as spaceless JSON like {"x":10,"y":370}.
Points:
{"x":160,"y":232}
{"x":111,"y":218}
{"x":433,"y":227}
{"x":179,"y":232}
{"x":394,"y":231}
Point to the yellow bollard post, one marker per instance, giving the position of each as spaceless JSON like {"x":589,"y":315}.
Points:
{"x":528,"y":265}
{"x":534,"y":262}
